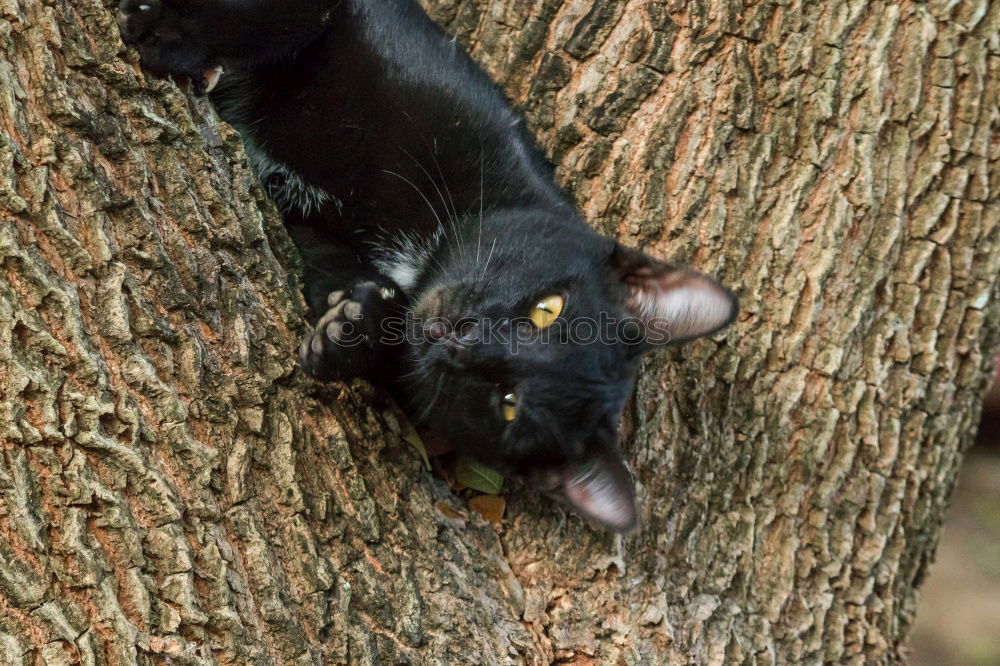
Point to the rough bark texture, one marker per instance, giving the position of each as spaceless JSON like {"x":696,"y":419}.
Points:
{"x":172,"y":491}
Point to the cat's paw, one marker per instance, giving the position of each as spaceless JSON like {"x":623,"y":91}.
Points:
{"x":136,"y":18}
{"x":346,"y":341}
{"x":328,"y":351}
{"x":170,"y":39}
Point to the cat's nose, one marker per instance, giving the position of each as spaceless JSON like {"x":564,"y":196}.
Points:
{"x":458,"y":349}
{"x":436,"y":331}
{"x":455,"y":347}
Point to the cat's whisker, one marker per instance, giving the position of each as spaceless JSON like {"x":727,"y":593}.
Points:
{"x":438,"y":268}
{"x":430,"y":405}
{"x":451,"y":214}
{"x":418,"y":191}
{"x":488,"y":260}
{"x":441,"y":223}
{"x":444,"y":181}
{"x":482,"y":194}
{"x":433,"y":152}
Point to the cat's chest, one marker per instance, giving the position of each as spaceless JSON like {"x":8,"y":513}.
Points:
{"x":404,"y":258}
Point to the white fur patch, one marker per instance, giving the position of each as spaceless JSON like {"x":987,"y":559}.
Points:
{"x":285,"y":187}
{"x":404,"y":258}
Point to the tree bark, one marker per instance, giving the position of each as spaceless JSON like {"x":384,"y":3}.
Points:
{"x":172,"y":490}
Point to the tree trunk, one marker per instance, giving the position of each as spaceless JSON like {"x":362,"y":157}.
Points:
{"x":172,"y":490}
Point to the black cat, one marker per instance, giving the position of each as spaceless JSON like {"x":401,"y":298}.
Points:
{"x":450,"y":266}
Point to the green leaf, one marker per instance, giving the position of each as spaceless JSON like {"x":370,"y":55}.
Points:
{"x":474,"y":474}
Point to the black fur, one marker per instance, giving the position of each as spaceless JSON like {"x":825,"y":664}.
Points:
{"x":414,"y":190}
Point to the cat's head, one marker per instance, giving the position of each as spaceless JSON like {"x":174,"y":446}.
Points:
{"x":531,"y":335}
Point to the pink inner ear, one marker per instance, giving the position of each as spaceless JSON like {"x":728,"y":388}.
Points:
{"x":683,"y":303}
{"x":601,"y":496}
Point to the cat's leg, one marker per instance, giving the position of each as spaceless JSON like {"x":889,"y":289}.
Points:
{"x":192,"y":37}
{"x":359,"y":315}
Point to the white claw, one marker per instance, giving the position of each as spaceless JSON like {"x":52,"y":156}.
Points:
{"x":212,"y":77}
{"x":352,"y":310}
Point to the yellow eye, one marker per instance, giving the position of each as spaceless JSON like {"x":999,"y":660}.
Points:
{"x":547,"y":310}
{"x":509,"y":406}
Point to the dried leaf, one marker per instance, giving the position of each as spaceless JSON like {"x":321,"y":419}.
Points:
{"x":456,"y":518}
{"x":447,"y":511}
{"x":490,"y":507}
{"x":434,"y":445}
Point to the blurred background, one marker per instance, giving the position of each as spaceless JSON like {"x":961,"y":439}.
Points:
{"x":958,"y":621}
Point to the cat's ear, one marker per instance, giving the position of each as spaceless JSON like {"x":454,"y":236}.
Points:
{"x":674,"y":303}
{"x":601,"y":490}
